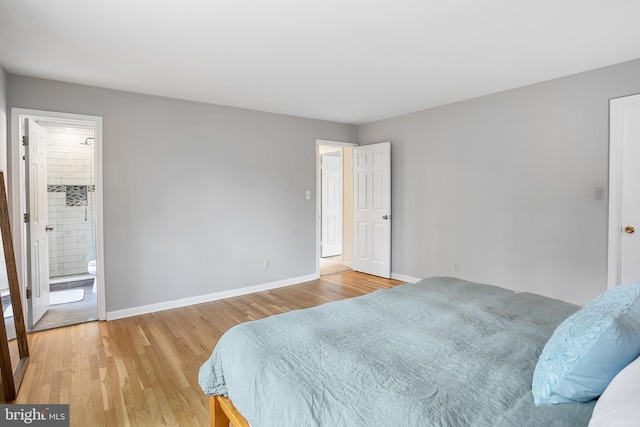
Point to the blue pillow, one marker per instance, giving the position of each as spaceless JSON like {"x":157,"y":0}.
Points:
{"x":589,"y":348}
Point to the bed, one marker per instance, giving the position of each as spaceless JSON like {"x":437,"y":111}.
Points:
{"x":440,"y":352}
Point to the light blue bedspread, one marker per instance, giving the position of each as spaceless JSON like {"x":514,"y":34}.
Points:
{"x":440,"y":352}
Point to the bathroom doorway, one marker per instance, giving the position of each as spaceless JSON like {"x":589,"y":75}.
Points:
{"x":61,"y":267}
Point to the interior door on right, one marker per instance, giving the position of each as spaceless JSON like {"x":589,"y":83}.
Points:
{"x":625,"y":125}
{"x":372,"y":209}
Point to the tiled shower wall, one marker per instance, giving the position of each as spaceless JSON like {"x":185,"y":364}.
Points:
{"x":71,"y":195}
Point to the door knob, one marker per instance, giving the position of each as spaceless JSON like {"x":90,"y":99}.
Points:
{"x":629,"y":229}
{"x":386,"y":217}
{"x":48,"y":228}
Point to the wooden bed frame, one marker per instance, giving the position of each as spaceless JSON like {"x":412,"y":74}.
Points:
{"x":223,"y":412}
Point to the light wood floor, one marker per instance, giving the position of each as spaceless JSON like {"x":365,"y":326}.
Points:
{"x":143,"y":370}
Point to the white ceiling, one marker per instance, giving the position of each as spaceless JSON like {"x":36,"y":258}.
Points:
{"x":352,"y":61}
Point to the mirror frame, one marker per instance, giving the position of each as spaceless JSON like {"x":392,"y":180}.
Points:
{"x":11,"y":379}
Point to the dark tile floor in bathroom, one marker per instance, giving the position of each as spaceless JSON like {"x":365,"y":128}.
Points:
{"x":70,"y":313}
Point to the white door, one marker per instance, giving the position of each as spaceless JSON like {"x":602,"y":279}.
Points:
{"x":372,"y":209}
{"x":624,"y":191}
{"x":331,"y":175}
{"x":38,"y":249}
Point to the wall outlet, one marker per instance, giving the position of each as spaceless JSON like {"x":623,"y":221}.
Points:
{"x":456,"y":266}
{"x":267,"y":264}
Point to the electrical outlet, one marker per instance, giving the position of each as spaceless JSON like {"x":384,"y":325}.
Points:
{"x":267,"y":264}
{"x":456,"y":266}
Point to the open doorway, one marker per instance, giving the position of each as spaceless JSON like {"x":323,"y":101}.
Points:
{"x":335,"y":207}
{"x":57,"y":180}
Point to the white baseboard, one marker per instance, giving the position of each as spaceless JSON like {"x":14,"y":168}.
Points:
{"x":404,"y":278}
{"x":168,"y":305}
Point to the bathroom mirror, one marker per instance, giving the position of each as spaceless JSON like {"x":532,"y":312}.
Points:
{"x":14,"y":351}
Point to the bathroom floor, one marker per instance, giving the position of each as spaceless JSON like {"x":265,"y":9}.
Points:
{"x":70,"y":313}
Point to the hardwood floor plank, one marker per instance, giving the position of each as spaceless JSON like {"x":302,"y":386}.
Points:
{"x":143,"y":370}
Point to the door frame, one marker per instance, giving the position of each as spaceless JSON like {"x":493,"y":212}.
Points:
{"x":320,"y":142}
{"x":17,"y":200}
{"x":616,"y":105}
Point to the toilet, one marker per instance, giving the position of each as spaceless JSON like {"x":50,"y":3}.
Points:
{"x":91,"y":268}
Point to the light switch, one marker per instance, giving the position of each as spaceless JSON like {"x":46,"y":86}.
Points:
{"x":308,"y":195}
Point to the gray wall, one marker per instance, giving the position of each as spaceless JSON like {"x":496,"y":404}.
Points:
{"x":196,"y":196}
{"x":504,"y":185}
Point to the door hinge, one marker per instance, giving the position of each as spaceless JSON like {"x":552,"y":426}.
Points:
{"x":27,"y":217}
{"x":25,"y":140}
{"x":28,"y":293}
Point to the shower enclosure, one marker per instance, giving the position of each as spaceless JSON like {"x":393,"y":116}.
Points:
{"x":71,"y":199}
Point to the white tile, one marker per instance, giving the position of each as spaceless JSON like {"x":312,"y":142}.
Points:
{"x":69,"y":258}
{"x":86,"y":245}
{"x":84,"y":149}
{"x":84,"y":225}
{"x":87,"y":232}
{"x":52,"y":148}
{"x":70,"y":233}
{"x":78,"y":156}
{"x":85,"y":131}
{"x":69,"y":240}
{"x":66,"y":162}
{"x":82,"y":168}
{"x":68,"y":175}
{"x":74,"y":252}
